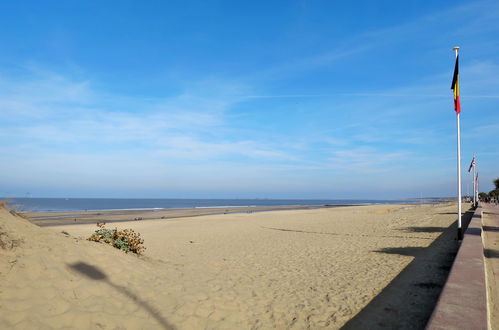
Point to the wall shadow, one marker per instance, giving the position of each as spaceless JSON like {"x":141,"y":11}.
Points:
{"x":466,"y":213}
{"x":342,"y":234}
{"x":491,"y":253}
{"x":474,"y":231}
{"x":407,"y":302}
{"x":424,"y":229}
{"x":490,"y":228}
{"x":96,"y":274}
{"x":301,"y":231}
{"x":430,"y":229}
{"x":411,"y":251}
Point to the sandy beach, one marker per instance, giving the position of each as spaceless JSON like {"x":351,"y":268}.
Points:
{"x":361,"y":267}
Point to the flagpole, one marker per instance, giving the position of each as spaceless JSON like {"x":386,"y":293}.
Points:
{"x":459,"y":222}
{"x":474,"y":180}
{"x":477,"y":184}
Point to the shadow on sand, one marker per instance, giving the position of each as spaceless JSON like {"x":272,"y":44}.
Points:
{"x":409,"y":299}
{"x":342,"y":234}
{"x":424,"y":229}
{"x":491,"y":253}
{"x":96,"y":274}
{"x":411,"y":251}
{"x":490,"y":228}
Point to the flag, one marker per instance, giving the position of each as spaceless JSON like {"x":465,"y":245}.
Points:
{"x":472,"y":164}
{"x":455,"y":87}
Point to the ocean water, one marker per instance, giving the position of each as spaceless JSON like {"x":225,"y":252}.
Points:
{"x":79,"y":204}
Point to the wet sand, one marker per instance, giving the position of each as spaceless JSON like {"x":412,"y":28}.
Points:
{"x":44,"y":219}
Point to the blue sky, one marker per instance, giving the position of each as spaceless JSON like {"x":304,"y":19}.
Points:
{"x":259,"y":99}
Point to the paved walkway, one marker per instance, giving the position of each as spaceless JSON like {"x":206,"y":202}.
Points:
{"x":470,"y":298}
{"x":490,"y":219}
{"x":463,"y":303}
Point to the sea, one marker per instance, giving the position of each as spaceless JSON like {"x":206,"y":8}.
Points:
{"x":94,"y":204}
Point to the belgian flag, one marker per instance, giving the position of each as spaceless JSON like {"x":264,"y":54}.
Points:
{"x":455,"y":87}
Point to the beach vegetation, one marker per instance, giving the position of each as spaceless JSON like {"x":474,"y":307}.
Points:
{"x":126,"y":240}
{"x":7,"y":205}
{"x":494,"y":193}
{"x":491,"y":195}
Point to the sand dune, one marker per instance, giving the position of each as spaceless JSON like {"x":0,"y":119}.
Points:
{"x":284,"y":269}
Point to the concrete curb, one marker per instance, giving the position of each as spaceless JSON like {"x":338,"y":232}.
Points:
{"x":463,"y":301}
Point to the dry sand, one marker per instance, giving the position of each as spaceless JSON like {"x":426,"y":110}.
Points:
{"x":358,"y":267}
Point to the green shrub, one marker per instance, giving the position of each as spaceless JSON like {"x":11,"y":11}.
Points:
{"x":126,"y":240}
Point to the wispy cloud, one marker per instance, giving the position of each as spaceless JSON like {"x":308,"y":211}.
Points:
{"x":300,"y":65}
{"x":54,"y":110}
{"x":366,"y":160}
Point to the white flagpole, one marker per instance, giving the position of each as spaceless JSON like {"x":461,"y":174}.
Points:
{"x":474,"y":180}
{"x":477,"y":187}
{"x":459,"y":222}
{"x":474,"y":186}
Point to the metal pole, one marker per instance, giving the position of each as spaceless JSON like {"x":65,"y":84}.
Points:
{"x":474,"y":180}
{"x":459,"y":222}
{"x":477,"y":187}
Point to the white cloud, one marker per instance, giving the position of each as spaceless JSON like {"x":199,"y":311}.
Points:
{"x":367,"y":160}
{"x":53,"y":112}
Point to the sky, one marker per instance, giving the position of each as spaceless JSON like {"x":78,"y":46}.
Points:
{"x":253,"y":99}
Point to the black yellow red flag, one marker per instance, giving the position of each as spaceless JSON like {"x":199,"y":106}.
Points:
{"x":455,"y":87}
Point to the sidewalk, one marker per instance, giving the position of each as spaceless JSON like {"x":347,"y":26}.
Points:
{"x":490,"y":232}
{"x":462,"y":303}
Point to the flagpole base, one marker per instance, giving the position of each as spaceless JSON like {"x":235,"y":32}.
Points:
{"x":459,"y":234}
